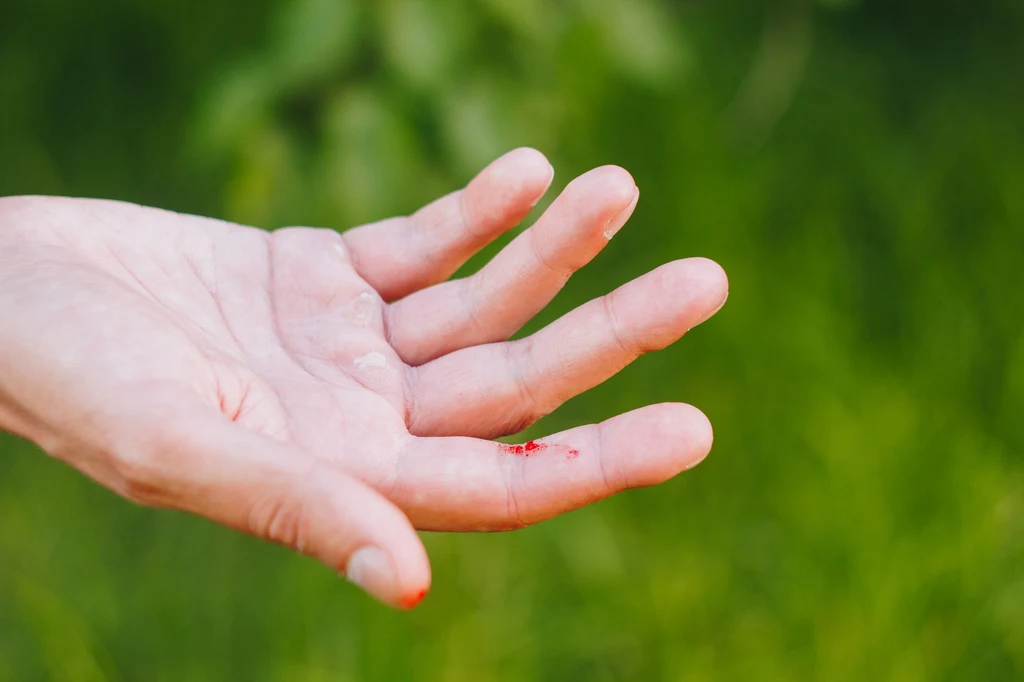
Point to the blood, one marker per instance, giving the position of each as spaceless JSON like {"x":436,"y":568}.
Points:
{"x":413,"y":599}
{"x":531,"y":448}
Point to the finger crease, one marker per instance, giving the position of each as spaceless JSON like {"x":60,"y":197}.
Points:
{"x":615,"y":328}
{"x":412,"y":407}
{"x":517,"y":370}
{"x":467,"y":293}
{"x":512,"y":510}
{"x":602,"y":462}
{"x":531,"y":239}
{"x":464,"y":216}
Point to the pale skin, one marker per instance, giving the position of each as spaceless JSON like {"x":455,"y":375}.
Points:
{"x":334,"y":392}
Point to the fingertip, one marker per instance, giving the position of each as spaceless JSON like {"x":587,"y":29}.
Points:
{"x":392,"y":576}
{"x":606,"y":195}
{"x":413,"y":599}
{"x":364,"y":536}
{"x":617,"y":186}
{"x":674,"y":437}
{"x":684,"y":432}
{"x":527,"y":157}
{"x":698,"y":288}
{"x":617,"y":223}
{"x":616,"y":181}
{"x":712,"y":274}
{"x":414,"y":574}
{"x":532,"y":170}
{"x":699,"y":437}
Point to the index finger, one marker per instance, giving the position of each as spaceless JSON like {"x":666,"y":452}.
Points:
{"x":467,"y":484}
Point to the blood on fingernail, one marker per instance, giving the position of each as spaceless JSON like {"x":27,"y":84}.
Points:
{"x":412,"y":600}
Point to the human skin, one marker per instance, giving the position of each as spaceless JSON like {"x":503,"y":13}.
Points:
{"x":333,"y":392}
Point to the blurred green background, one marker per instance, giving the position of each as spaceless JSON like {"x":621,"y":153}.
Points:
{"x":857,"y":167}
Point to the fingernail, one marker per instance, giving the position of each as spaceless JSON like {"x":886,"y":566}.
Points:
{"x":707,"y":316}
{"x":616,"y":223}
{"x":370,"y":569}
{"x":547,"y":185}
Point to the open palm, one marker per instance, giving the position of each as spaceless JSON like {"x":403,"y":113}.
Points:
{"x":324,"y":390}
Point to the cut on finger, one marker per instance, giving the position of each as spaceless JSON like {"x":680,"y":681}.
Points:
{"x":465,"y":484}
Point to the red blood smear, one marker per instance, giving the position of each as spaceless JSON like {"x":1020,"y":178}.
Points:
{"x":528,"y":450}
{"x":413,"y":599}
{"x":532,"y":448}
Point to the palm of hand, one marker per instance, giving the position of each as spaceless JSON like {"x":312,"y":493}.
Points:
{"x":281,"y":382}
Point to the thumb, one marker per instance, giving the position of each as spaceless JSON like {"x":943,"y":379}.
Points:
{"x":202,"y":463}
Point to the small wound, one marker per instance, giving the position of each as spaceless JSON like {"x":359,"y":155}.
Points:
{"x":531,"y":448}
{"x":412,"y":600}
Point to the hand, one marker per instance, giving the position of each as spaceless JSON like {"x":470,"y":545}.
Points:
{"x":330,"y":392}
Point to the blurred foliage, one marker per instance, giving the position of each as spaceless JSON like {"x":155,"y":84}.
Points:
{"x":856,"y":167}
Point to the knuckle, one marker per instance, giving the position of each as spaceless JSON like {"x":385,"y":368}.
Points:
{"x":469,"y":293}
{"x":609,"y":482}
{"x":615,"y":326}
{"x":280,"y":520}
{"x":144,"y":459}
{"x":513,"y":518}
{"x":283,"y":514}
{"x":519,"y":363}
{"x":139,"y":473}
{"x":546,"y":261}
